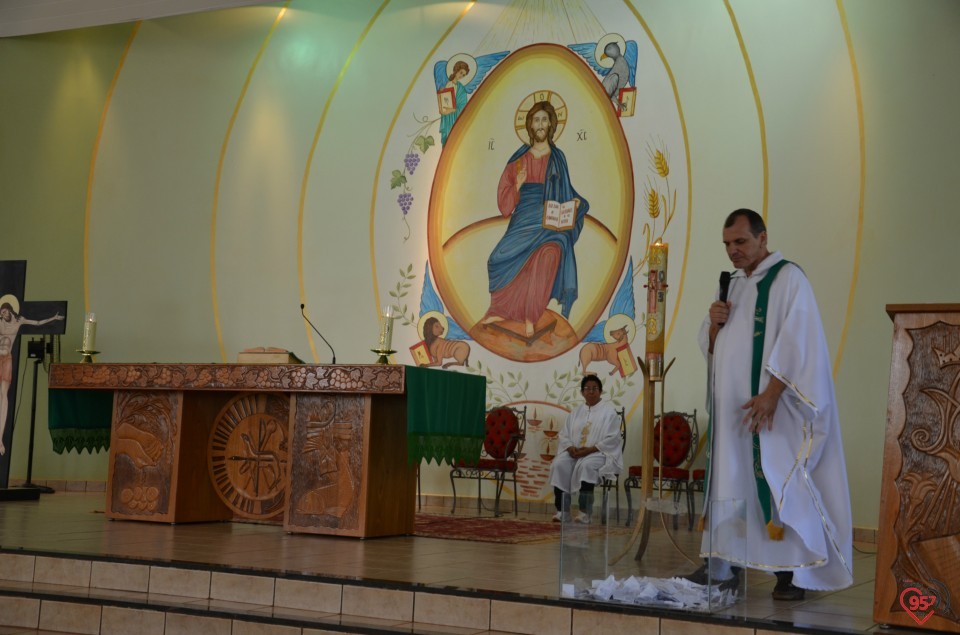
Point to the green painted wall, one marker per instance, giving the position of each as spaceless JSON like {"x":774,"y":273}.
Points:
{"x":252,"y":156}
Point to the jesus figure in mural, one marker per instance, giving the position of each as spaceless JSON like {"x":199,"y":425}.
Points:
{"x":534,"y":262}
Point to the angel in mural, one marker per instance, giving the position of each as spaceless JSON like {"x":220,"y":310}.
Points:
{"x":452,"y":99}
{"x":534,"y":262}
{"x":10,"y":323}
{"x":455,"y":80}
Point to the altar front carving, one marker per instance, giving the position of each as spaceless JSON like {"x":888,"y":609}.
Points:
{"x":322,"y":449}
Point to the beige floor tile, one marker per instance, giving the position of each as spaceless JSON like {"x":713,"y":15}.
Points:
{"x":241,"y":588}
{"x":451,"y":610}
{"x":67,"y":616}
{"x":183,"y":582}
{"x":179,"y":624}
{"x":119,"y":575}
{"x":304,"y":594}
{"x":360,"y":621}
{"x":23,"y":612}
{"x":677,"y":627}
{"x":117,"y":620}
{"x":62,"y":571}
{"x":16,"y":567}
{"x":591,"y":622}
{"x":530,"y":619}
{"x":380,"y":603}
{"x":801,"y":617}
{"x":258,"y":628}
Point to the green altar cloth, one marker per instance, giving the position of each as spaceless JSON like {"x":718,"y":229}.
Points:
{"x":445,"y":415}
{"x":80,"y":419}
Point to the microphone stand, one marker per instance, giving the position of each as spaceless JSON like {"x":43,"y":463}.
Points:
{"x":317,"y":331}
{"x":37,"y":356}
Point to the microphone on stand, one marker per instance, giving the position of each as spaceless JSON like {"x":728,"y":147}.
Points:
{"x":317,"y":331}
{"x":724,"y":286}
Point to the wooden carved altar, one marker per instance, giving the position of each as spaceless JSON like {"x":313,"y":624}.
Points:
{"x":918,"y":543}
{"x":324,"y":448}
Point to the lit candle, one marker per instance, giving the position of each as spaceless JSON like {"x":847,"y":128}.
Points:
{"x":89,"y":331}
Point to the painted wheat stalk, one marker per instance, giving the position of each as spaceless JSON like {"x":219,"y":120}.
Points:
{"x":655,"y":200}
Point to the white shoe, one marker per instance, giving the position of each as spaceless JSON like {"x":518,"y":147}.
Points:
{"x":583,"y":519}
{"x":561,"y":517}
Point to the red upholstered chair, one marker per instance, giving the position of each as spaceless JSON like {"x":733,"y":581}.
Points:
{"x":504,"y":434}
{"x":671,"y":473}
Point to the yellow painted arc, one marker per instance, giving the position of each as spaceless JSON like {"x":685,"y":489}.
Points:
{"x":602,"y":230}
{"x":93,"y":165}
{"x":309,"y":163}
{"x":756,"y":100}
{"x":386,"y":140}
{"x":686,"y":151}
{"x":216,"y":183}
{"x":863,"y":185}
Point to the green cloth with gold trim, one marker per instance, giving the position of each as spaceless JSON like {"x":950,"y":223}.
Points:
{"x":445,"y":415}
{"x":80,"y":419}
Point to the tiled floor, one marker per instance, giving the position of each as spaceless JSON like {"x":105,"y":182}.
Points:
{"x":73,"y":523}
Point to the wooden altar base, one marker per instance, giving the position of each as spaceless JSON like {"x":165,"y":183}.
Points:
{"x":64,"y":567}
{"x":324,"y":448}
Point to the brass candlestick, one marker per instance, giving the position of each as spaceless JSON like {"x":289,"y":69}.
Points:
{"x":384,"y":354}
{"x":383,"y":348}
{"x":86,"y":357}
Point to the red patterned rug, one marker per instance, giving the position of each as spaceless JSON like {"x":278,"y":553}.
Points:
{"x":486,"y":529}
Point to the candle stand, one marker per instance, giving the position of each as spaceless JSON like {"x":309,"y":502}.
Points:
{"x":384,"y":354}
{"x":383,"y":348}
{"x":86,"y":357}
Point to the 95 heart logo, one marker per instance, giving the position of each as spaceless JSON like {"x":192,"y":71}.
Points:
{"x":917,"y":604}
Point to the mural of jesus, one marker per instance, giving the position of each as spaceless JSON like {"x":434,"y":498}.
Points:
{"x":534,"y":263}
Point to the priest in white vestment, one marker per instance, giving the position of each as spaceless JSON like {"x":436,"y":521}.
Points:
{"x":803,"y":531}
{"x":590,"y":448}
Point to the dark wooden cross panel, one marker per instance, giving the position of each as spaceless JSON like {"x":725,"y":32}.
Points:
{"x":18,"y":317}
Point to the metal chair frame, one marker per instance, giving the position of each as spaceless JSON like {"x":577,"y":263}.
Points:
{"x":607,"y":483}
{"x":677,"y":485}
{"x":486,"y":468}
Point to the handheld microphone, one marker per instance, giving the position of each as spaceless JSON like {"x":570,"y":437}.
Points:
{"x":317,"y":331}
{"x":724,"y":286}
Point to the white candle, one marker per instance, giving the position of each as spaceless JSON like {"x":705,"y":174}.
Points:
{"x":388,"y":317}
{"x":89,"y":332}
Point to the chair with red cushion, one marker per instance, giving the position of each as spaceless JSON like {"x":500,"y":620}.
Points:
{"x":674,"y":448}
{"x":504,"y":434}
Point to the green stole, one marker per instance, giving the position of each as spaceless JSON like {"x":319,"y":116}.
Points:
{"x":759,"y":330}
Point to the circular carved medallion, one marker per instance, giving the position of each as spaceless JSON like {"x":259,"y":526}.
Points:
{"x":247,"y":454}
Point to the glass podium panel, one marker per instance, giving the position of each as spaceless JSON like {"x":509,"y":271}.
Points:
{"x":647,"y":562}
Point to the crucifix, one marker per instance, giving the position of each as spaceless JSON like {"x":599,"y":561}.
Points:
{"x":17,"y":318}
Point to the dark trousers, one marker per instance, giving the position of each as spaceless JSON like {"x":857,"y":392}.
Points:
{"x":585,"y":501}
